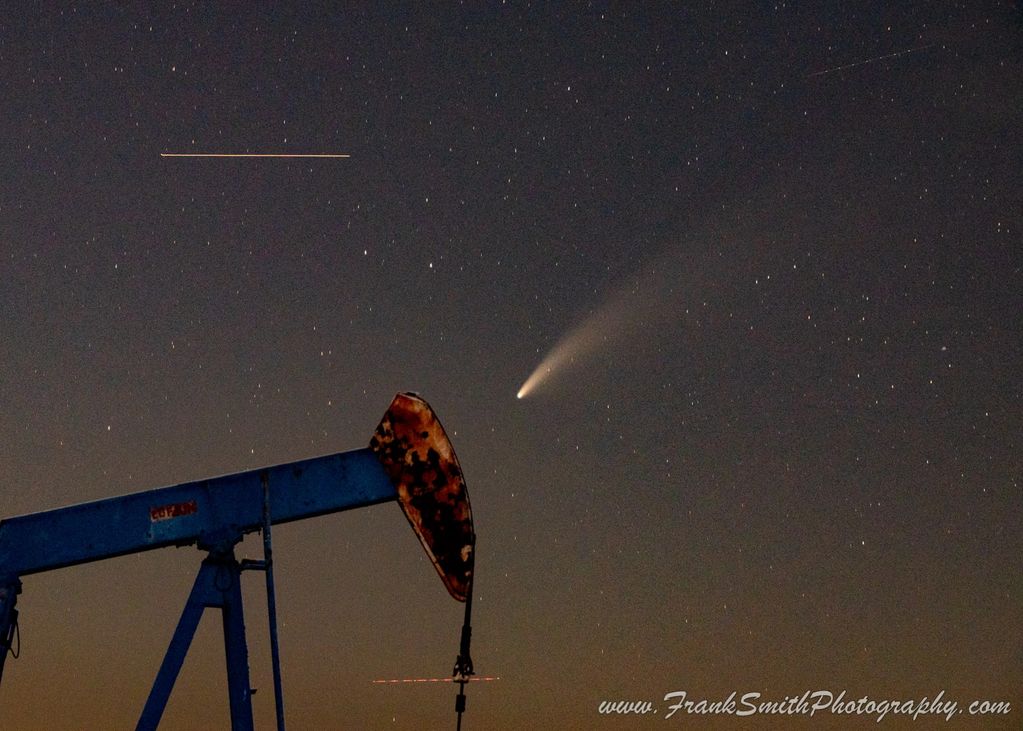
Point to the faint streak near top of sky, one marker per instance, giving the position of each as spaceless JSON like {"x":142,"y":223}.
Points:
{"x":870,"y":60}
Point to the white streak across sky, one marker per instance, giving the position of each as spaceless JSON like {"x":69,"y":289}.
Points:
{"x":255,"y":154}
{"x":870,"y":60}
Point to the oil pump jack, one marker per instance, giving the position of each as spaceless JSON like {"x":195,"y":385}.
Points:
{"x":409,"y":459}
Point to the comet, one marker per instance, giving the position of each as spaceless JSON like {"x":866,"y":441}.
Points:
{"x":660,"y":293}
{"x":662,"y":299}
{"x":596,"y":330}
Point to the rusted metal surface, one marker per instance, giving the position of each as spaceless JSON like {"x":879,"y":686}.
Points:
{"x":417,"y":456}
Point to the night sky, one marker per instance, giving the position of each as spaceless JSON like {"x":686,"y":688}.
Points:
{"x":785,"y":456}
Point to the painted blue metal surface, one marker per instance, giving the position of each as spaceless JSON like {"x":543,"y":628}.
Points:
{"x":208,"y":512}
{"x":8,"y":619}
{"x":217,"y":585}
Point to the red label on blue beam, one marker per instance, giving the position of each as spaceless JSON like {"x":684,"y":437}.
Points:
{"x":174,"y":510}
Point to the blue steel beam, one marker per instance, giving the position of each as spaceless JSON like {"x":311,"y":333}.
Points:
{"x":207,"y":512}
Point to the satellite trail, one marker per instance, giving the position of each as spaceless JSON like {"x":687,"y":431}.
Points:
{"x":870,"y":60}
{"x":250,"y":154}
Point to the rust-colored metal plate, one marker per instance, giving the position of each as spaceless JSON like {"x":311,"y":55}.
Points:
{"x":419,"y":459}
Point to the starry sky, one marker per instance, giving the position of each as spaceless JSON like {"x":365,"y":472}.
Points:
{"x":788,"y":459}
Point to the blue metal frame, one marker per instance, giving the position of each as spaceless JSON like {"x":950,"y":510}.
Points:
{"x":214,"y":514}
{"x":218,"y":585}
{"x":9,"y":590}
{"x":218,"y":508}
{"x":271,"y":604}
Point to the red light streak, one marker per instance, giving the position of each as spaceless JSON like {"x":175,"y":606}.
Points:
{"x":473,"y":679}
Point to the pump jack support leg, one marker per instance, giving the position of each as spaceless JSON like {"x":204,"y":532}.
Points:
{"x":9,"y":591}
{"x":216,"y":585}
{"x":237,"y":654}
{"x":172,"y":661}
